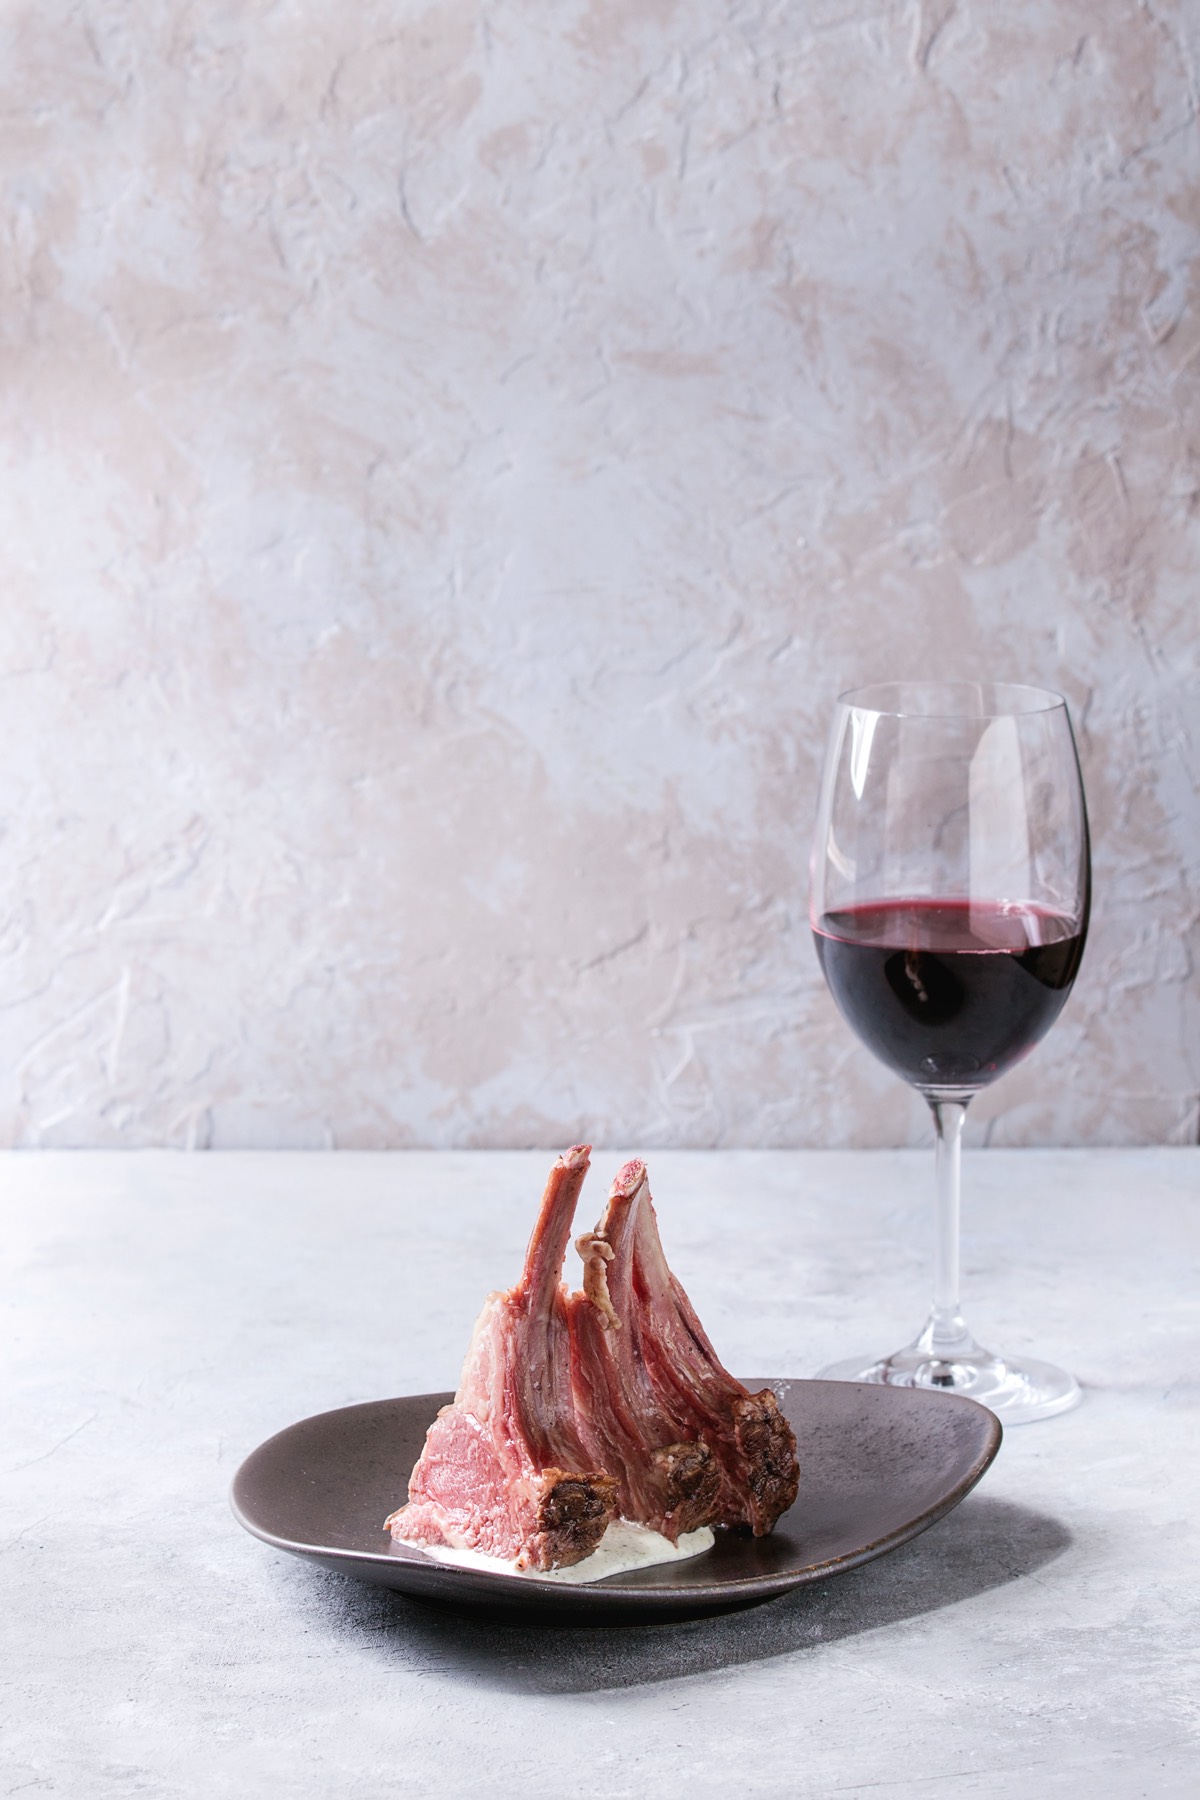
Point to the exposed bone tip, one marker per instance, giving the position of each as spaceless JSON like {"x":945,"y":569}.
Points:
{"x":628,"y":1179}
{"x":575,"y":1156}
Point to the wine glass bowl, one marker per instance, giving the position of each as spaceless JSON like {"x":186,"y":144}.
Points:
{"x":949,"y":907}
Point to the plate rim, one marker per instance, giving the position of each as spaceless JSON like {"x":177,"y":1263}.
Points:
{"x":608,"y":1588}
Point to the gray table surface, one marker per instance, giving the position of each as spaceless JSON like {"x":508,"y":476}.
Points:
{"x":164,"y":1313}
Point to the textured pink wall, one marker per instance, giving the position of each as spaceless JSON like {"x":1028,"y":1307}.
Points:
{"x":453,"y":456}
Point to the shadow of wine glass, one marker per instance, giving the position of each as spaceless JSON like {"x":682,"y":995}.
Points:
{"x":984,"y":1544}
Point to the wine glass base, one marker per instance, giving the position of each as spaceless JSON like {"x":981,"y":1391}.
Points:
{"x":1016,"y":1392}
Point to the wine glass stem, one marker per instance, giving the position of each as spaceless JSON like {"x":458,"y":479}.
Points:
{"x":946,"y":1332}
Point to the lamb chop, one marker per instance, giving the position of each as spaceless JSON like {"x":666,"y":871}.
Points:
{"x":503,"y":1470}
{"x":665,"y":1480}
{"x":689,"y":1445}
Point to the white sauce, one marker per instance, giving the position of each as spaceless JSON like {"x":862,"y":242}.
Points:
{"x":624,"y":1546}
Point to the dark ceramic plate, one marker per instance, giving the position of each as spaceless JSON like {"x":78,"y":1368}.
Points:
{"x":877,"y":1466}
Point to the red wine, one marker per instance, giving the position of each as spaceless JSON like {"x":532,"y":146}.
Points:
{"x":949,"y":993}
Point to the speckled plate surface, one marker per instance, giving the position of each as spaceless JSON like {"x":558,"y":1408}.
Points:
{"x":877,"y":1466}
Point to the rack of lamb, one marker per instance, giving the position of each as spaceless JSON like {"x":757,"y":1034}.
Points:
{"x":574,"y":1409}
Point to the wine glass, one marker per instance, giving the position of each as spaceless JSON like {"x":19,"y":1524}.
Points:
{"x":950,"y":893}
